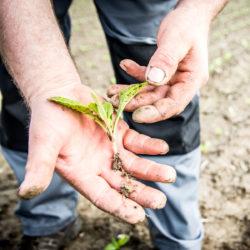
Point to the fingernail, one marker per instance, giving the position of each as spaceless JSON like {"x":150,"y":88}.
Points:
{"x":165,"y":148}
{"x":162,"y":203}
{"x":147,"y":113}
{"x":156,"y":75}
{"x":171,"y":175}
{"x":28,"y":193}
{"x":122,"y":65}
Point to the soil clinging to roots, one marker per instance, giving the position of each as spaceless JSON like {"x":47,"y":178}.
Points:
{"x":117,"y":163}
{"x":126,"y":188}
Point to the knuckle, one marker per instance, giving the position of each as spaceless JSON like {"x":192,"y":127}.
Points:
{"x":129,"y":138}
{"x":166,"y":58}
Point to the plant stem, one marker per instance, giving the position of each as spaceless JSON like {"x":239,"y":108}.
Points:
{"x":114,"y":142}
{"x":115,"y":125}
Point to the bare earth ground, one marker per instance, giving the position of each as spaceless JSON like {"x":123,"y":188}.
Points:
{"x":225,"y":118}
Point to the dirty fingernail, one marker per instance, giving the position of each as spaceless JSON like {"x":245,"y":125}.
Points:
{"x":161,"y":203}
{"x":147,"y":113}
{"x":171,"y":175}
{"x":28,"y":193}
{"x":156,"y":75}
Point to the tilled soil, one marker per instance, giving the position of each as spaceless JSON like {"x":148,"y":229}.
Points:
{"x":225,"y":119}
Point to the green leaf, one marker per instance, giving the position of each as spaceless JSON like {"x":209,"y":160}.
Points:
{"x":90,"y":110}
{"x":100,"y":108}
{"x":113,"y":245}
{"x":122,"y":239}
{"x":125,"y":96}
{"x":74,"y":105}
{"x":114,"y":242}
{"x":109,"y":110}
{"x":110,"y":246}
{"x":93,"y":107}
{"x":105,"y":111}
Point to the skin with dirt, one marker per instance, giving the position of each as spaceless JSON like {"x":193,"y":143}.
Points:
{"x":102,"y":112}
{"x":225,"y":120}
{"x":126,"y":189}
{"x":117,"y":163}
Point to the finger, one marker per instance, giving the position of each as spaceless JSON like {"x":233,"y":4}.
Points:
{"x":146,"y":98}
{"x":115,"y":98}
{"x":178,"y":97}
{"x":164,"y":63}
{"x":115,"y":89}
{"x":139,"y":143}
{"x":184,"y":85}
{"x":145,"y":196}
{"x":133,"y":69}
{"x":98,"y":191}
{"x":43,"y":152}
{"x":142,"y":144}
{"x":145,"y":169}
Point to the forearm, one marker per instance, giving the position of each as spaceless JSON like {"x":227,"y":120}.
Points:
{"x":33,"y":47}
{"x":208,"y":9}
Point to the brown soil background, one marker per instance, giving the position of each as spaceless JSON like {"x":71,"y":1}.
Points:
{"x":225,"y":118}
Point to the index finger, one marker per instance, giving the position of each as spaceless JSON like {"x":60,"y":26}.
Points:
{"x":115,"y":89}
{"x":178,"y":97}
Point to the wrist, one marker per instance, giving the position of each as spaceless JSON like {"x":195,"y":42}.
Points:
{"x":205,"y":10}
{"x":195,"y":17}
{"x":186,"y":25}
{"x":46,"y":84}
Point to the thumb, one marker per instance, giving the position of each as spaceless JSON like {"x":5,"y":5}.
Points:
{"x":164,"y":62}
{"x":42,"y":157}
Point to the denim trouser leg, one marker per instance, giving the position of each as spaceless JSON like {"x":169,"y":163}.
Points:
{"x":49,"y":212}
{"x":178,"y":225}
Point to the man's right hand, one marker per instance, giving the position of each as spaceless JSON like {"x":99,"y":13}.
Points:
{"x":34,"y":50}
{"x":80,"y":151}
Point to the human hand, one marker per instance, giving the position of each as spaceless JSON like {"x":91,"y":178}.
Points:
{"x":176,"y":71}
{"x":80,"y":151}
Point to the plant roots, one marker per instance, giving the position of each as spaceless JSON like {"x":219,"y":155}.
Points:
{"x":126,"y":188}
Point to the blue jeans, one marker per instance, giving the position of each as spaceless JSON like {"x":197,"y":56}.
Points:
{"x":177,"y":226}
{"x":50,"y":211}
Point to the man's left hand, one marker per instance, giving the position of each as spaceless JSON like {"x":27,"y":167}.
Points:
{"x":176,"y":71}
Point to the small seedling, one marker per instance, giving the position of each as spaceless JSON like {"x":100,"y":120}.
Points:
{"x":117,"y":243}
{"x":104,"y":114}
